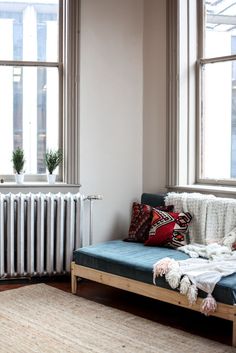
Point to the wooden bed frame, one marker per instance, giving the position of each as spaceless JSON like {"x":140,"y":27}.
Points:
{"x":223,"y":311}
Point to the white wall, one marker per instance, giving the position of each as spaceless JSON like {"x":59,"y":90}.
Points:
{"x":111,"y":107}
{"x":154,"y":98}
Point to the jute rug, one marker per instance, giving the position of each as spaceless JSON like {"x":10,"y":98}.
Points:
{"x":39,"y":318}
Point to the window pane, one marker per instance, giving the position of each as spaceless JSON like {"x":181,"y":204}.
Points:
{"x":218,"y":153}
{"x":220,"y":26}
{"x":28,"y":115}
{"x":30,"y":30}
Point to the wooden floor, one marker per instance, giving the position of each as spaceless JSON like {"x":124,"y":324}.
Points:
{"x":166,"y":314}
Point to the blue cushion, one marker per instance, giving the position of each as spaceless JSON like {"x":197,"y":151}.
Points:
{"x":135,"y":261}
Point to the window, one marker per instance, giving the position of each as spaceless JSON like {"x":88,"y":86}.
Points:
{"x":30,"y":71}
{"x":217,"y":71}
{"x":202,"y":92}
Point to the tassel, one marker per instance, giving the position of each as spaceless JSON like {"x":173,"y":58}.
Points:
{"x":161,"y":267}
{"x":208,"y":305}
{"x":173,"y":275}
{"x":192,"y":294}
{"x":184,"y":285}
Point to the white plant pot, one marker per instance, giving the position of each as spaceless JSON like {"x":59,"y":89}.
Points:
{"x":51,"y":178}
{"x":19,"y":178}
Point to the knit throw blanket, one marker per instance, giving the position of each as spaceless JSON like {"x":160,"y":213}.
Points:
{"x":213,"y":217}
{"x":212,"y":236}
{"x":196,"y":273}
{"x":212,"y":251}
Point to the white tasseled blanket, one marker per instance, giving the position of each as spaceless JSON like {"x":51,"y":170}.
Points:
{"x":212,"y":235}
{"x":202,"y":272}
{"x":213,"y":217}
{"x":196,"y":273}
{"x":205,"y":274}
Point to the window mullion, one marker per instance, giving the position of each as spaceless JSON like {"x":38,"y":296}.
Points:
{"x":172,"y":96}
{"x":217,"y":59}
{"x":182,"y":96}
{"x":71,"y":92}
{"x":28,"y":63}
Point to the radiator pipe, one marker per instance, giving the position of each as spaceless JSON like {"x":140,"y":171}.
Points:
{"x":91,"y":198}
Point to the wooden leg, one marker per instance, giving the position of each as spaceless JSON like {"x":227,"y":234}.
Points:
{"x":234,"y":329}
{"x":73,"y":280}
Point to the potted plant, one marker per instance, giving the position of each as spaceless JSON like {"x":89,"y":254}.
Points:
{"x":18,"y":160}
{"x":52,"y":160}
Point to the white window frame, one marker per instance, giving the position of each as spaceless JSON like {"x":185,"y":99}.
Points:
{"x":71,"y":55}
{"x":200,"y":62}
{"x":68,"y":70}
{"x":181,"y":95}
{"x":184,"y":55}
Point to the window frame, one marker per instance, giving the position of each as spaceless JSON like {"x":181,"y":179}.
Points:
{"x":200,"y":62}
{"x":185,"y":24}
{"x":181,"y":82}
{"x":68,"y":82}
{"x":44,"y":64}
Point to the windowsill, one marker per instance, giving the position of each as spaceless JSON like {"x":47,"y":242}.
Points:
{"x":38,"y":187}
{"x":221,"y":191}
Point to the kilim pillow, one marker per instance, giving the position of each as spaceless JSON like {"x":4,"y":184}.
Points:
{"x":140,"y":224}
{"x":168,"y":228}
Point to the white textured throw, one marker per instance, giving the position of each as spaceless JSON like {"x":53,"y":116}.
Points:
{"x":212,"y":236}
{"x":193,"y":274}
{"x":211,"y":251}
{"x":213,"y":217}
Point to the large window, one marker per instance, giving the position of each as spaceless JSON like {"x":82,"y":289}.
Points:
{"x":202,"y":93}
{"x":217,"y":70}
{"x":30,"y":81}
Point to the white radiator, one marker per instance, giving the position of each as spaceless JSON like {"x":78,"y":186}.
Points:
{"x":38,"y":233}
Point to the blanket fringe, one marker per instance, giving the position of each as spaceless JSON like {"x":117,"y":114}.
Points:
{"x":171,"y":269}
{"x":184,"y":285}
{"x":192,"y":294}
{"x":173,"y":276}
{"x":208,"y":305}
{"x":161,"y":267}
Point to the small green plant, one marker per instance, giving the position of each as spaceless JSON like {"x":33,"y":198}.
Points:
{"x":18,"y":160}
{"x":53,"y":159}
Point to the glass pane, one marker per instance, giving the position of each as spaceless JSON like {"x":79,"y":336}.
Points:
{"x":28,"y":115}
{"x":218,"y":154}
{"x":29,"y":30}
{"x":220,"y":27}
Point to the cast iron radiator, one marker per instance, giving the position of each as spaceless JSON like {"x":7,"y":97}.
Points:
{"x":38,"y":233}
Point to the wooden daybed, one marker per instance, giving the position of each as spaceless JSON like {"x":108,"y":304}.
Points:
{"x":129,"y":267}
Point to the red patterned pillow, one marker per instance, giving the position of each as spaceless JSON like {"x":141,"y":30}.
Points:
{"x":140,"y":224}
{"x":168,"y":228}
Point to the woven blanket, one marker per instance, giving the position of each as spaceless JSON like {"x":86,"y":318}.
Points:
{"x":212,"y":251}
{"x":213,"y":217}
{"x":195,"y":273}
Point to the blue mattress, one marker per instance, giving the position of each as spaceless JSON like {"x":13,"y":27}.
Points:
{"x":135,"y":261}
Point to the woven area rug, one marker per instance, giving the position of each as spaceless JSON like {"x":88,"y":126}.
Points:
{"x":40,"y":318}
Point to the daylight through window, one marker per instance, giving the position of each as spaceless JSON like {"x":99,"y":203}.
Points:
{"x":218,"y":91}
{"x":29,"y":85}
